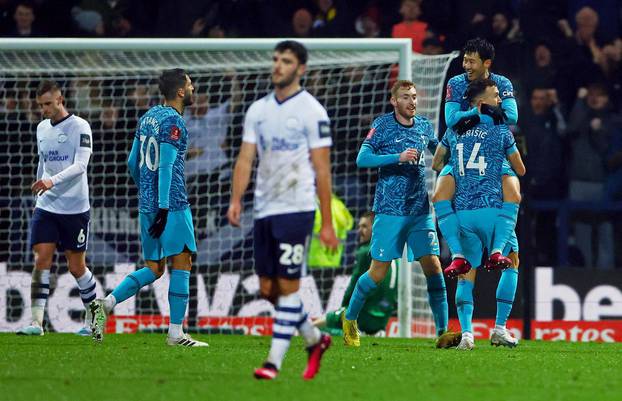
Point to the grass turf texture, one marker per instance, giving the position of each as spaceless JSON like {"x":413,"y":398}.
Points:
{"x":142,"y":367}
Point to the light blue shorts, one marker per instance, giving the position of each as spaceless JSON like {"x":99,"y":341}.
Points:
{"x":505,"y":170}
{"x":389,"y":234}
{"x":178,"y":234}
{"x":477,"y":234}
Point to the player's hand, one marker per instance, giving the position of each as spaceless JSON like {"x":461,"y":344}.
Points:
{"x":496,"y":113}
{"x":465,"y":124}
{"x":410,"y":155}
{"x":328,"y":238}
{"x":157,"y":228}
{"x":40,"y":186}
{"x":233,"y":214}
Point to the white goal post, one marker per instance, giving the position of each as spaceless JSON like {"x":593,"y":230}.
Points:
{"x":110,"y":82}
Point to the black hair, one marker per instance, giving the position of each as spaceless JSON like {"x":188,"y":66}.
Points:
{"x":171,"y":81}
{"x":484,"y":49}
{"x":299,"y":50}
{"x":477,"y":87}
{"x":47,"y":85}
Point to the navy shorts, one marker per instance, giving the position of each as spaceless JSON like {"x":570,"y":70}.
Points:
{"x":281,"y":243}
{"x":70,"y":232}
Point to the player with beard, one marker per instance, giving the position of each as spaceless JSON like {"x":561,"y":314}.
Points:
{"x":395,"y":145}
{"x":289,"y":131}
{"x":156,"y":163}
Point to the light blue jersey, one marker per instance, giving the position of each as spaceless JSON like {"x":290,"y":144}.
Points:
{"x":477,"y":160}
{"x":456,"y":87}
{"x":401,"y":189}
{"x":161,"y":124}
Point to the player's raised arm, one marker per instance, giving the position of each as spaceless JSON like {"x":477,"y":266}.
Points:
{"x":241,"y":178}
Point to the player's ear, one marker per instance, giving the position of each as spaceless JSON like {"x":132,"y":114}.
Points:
{"x":487,"y":63}
{"x":302,"y":69}
{"x":393,"y":101}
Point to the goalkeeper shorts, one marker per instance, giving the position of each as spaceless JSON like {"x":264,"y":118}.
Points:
{"x":178,"y":235}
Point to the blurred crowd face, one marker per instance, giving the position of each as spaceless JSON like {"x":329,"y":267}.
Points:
{"x":597,"y":98}
{"x":474,"y":66}
{"x":24,"y":17}
{"x":405,"y":102}
{"x":51,"y":105}
{"x":587,"y":22}
{"x":286,"y":69}
{"x":302,"y":22}
{"x":410,"y":10}
{"x":542,"y":56}
{"x":364,"y":230}
{"x":200,"y":106}
{"x":540,"y":101}
{"x":499,"y":24}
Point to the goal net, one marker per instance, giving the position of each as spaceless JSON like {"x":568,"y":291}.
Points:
{"x":112,"y":88}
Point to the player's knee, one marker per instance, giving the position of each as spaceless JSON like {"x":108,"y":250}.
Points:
{"x":43,"y":260}
{"x":430,"y":265}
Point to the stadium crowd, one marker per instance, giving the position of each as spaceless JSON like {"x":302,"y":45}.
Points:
{"x":564,"y":58}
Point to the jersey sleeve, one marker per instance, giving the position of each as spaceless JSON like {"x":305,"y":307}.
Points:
{"x":509,"y":144}
{"x":375,"y":135}
{"x":453,"y":93}
{"x":250,"y":124}
{"x":446,"y":138}
{"x":506,"y":90}
{"x":317,"y":126}
{"x":84,"y":138}
{"x":172,"y":131}
{"x":432,"y":139}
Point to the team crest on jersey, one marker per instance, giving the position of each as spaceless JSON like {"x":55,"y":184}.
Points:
{"x":174,"y":134}
{"x":370,"y":133}
{"x":62,"y":138}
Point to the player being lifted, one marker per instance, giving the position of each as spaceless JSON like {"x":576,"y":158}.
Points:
{"x":395,"y":145}
{"x":61,"y":216}
{"x":477,"y":158}
{"x":156,"y":163}
{"x":289,"y":130}
{"x":459,"y":115}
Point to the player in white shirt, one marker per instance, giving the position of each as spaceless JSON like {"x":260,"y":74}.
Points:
{"x":289,"y":130}
{"x":61,"y":216}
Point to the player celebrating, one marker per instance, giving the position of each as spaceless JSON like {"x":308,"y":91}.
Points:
{"x":395,"y":145}
{"x":290,"y":131}
{"x":156,"y":163}
{"x":61,"y":216}
{"x":380,"y":305}
{"x":478,"y":57}
{"x":477,"y":159}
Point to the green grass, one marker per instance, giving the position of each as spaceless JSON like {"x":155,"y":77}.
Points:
{"x":141,"y":367}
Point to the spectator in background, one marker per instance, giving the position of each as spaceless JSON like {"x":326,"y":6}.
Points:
{"x":432,"y":46}
{"x":302,"y":22}
{"x":367,"y":24}
{"x":24,"y":18}
{"x":611,"y":65}
{"x":590,"y":130}
{"x":543,"y":128}
{"x":504,"y":30}
{"x":333,"y":19}
{"x":411,"y":27}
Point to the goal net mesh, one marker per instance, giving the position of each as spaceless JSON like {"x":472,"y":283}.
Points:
{"x":111,"y":90}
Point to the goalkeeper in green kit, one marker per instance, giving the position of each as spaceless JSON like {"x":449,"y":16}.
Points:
{"x":381,"y":304}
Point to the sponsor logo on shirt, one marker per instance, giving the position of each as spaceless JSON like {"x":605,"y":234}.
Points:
{"x":279,"y":144}
{"x":507,"y":94}
{"x":54,"y":156}
{"x":85,"y":141}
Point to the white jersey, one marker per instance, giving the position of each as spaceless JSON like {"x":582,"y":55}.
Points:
{"x":284,"y":133}
{"x":64,"y":149}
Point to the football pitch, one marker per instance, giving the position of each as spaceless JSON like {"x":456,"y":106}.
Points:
{"x":142,"y":367}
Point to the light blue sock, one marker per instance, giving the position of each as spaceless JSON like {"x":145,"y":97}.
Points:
{"x":364,"y":286}
{"x":132,"y":283}
{"x":449,"y":225}
{"x":178,"y":291}
{"x":437,"y":296}
{"x":505,"y":225}
{"x":506,"y":289}
{"x":464,"y":304}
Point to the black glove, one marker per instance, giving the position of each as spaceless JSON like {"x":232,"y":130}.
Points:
{"x":157,"y":228}
{"x":465,"y":124}
{"x":496,"y":113}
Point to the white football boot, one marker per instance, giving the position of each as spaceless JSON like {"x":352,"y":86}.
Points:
{"x":185,"y":341}
{"x":502,"y":337}
{"x":467,"y":342}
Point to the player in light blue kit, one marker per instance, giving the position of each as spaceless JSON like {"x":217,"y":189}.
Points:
{"x":477,"y":161}
{"x":460,"y":115}
{"x":396,"y":145}
{"x":156,"y":164}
